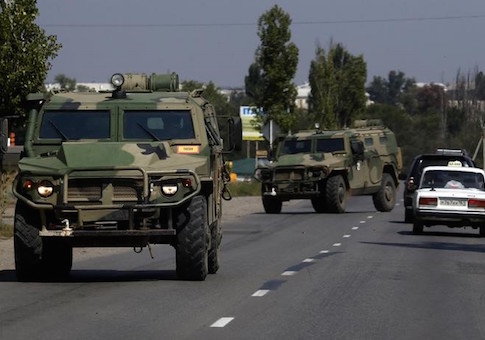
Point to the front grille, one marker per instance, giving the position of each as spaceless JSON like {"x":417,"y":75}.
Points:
{"x":89,"y":189}
{"x":289,"y":175}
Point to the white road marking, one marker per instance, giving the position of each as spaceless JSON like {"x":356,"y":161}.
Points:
{"x":308,"y":260}
{"x":397,"y":204}
{"x":222,"y":322}
{"x":369,"y":217}
{"x":346,"y":236}
{"x":362,"y":222}
{"x":288,"y":273}
{"x":355,"y":228}
{"x":261,"y":292}
{"x":337,"y":244}
{"x":323,"y":251}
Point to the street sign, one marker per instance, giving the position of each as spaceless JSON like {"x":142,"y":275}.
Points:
{"x":270,"y":131}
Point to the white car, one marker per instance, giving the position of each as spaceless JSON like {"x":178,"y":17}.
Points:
{"x":451,"y":196}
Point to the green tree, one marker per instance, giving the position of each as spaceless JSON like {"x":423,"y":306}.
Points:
{"x":253,"y":83}
{"x":337,"y":81}
{"x":277,"y":60}
{"x":25,"y":54}
{"x":390,"y":90}
{"x":65,"y":82}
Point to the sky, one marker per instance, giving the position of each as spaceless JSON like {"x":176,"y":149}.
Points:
{"x":215,"y":40}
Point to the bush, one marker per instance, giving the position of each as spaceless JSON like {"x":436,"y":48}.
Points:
{"x":246,"y":188}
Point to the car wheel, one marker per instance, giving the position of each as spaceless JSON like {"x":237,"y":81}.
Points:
{"x":272,"y":205}
{"x":213,"y":255}
{"x":408,"y":215}
{"x":417,"y":228}
{"x":385,"y":199}
{"x":27,"y":243}
{"x":335,"y":194}
{"x":191,"y":251}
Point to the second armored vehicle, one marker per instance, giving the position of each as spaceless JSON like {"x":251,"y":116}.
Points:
{"x":328,"y":166}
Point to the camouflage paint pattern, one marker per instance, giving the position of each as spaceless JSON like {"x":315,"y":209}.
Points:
{"x":96,"y":180}
{"x":295,"y":176}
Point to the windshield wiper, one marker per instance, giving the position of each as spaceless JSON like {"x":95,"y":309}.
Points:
{"x":59,"y":131}
{"x":150,"y":133}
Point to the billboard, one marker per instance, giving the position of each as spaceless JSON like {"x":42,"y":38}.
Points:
{"x":249,"y":132}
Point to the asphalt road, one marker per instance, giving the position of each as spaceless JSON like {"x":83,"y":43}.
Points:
{"x":296,"y":275}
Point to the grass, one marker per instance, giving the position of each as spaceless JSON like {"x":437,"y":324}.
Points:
{"x":246,"y":188}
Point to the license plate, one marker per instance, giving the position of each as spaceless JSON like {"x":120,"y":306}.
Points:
{"x":453,"y":202}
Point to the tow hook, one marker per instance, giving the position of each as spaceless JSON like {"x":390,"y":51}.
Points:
{"x":67,"y":230}
{"x":138,"y":250}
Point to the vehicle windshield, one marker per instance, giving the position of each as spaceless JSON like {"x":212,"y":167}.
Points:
{"x":291,"y":147}
{"x":75,"y":124}
{"x":452,"y":180}
{"x":158,"y":125}
{"x":330,"y":145}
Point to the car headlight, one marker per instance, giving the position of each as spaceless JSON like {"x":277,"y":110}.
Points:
{"x":45,"y":189}
{"x":169,"y":189}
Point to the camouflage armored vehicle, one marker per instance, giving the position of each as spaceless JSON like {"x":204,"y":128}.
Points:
{"x":328,"y":166}
{"x":141,"y":165}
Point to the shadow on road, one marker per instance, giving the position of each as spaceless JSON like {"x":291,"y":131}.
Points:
{"x":477,"y":248}
{"x":77,"y":276}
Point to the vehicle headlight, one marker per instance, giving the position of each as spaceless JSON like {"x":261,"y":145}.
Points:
{"x":45,"y":189}
{"x":169,"y":189}
{"x":117,"y":79}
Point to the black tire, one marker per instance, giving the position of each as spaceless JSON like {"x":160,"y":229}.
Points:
{"x":272,"y":205}
{"x":481,"y":231}
{"x":37,"y":258}
{"x":417,"y":228}
{"x":318,"y":204}
{"x":408,"y":216}
{"x":27,"y":243}
{"x":213,"y":255}
{"x":335,"y":194}
{"x":57,"y":257}
{"x":192,"y":240}
{"x":385,"y":198}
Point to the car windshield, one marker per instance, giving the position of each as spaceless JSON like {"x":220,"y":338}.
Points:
{"x":330,"y":145}
{"x":291,"y":147}
{"x":452,"y":180}
{"x":75,"y":125}
{"x":158,"y":125}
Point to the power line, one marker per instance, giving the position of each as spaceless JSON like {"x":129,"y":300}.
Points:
{"x":296,"y":23}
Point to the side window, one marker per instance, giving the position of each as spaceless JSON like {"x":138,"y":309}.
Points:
{"x":383,"y":140}
{"x":369,"y":141}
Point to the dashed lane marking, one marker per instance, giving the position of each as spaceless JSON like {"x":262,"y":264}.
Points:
{"x":355,"y":228}
{"x":288,"y":273}
{"x":337,"y":244}
{"x":346,"y":236}
{"x":323,"y":251}
{"x":222,"y":322}
{"x":308,"y":260}
{"x":370,"y":216}
{"x":261,"y":292}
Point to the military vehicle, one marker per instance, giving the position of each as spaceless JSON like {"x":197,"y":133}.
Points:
{"x":328,"y":166}
{"x":140,"y":165}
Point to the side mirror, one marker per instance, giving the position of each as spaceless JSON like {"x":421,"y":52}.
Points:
{"x":357,"y":148}
{"x":235,"y":133}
